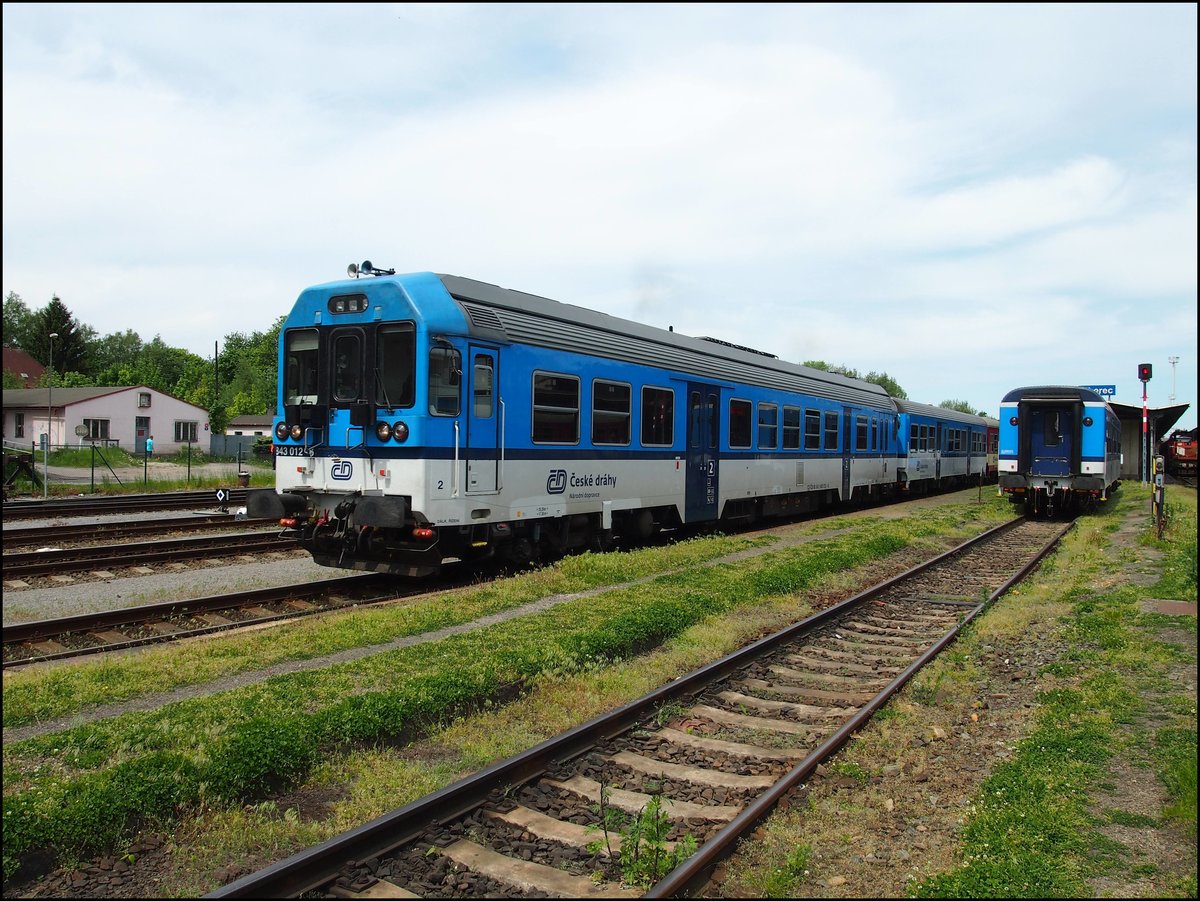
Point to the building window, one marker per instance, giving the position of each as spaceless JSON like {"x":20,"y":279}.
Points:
{"x":19,"y":424}
{"x":555,"y":409}
{"x":143,"y":398}
{"x":185,"y":432}
{"x":97,"y":429}
{"x":611,"y":412}
{"x":658,"y":417}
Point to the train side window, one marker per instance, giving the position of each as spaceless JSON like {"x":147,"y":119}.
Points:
{"x":740,"y":425}
{"x":555,"y":409}
{"x":874,"y":433}
{"x":791,"y":428}
{"x":768,"y":426}
{"x":347,"y":367}
{"x":812,"y":430}
{"x":611,"y":412}
{"x":831,"y":431}
{"x":482,"y":388}
{"x":658,"y":417}
{"x":860,"y":433}
{"x":300,"y":366}
{"x":395,"y":365}
{"x":445,"y":374}
{"x":913,"y":442}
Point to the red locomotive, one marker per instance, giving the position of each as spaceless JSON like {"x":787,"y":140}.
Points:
{"x":1180,"y":452}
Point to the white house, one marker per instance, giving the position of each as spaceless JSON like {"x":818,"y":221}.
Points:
{"x":122,"y":416}
{"x":256,"y":426}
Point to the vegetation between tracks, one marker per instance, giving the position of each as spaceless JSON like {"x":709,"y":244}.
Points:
{"x":1036,"y":826}
{"x":80,"y":790}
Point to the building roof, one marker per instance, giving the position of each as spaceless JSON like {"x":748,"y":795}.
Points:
{"x":252,"y":419}
{"x":26,"y":367}
{"x":64,"y":397}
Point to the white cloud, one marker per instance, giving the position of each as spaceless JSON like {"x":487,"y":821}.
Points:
{"x":828,"y":182}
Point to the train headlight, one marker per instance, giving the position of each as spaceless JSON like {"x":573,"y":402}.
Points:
{"x":281,"y":431}
{"x":297,"y":432}
{"x":383,"y":431}
{"x":400,"y":432}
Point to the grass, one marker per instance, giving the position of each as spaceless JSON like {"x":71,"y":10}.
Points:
{"x":241,"y":745}
{"x":262,"y":474}
{"x":1032,"y":833}
{"x":1036,"y":825}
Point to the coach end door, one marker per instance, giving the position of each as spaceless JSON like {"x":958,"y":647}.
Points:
{"x":1051,"y":440}
{"x":703,"y":462}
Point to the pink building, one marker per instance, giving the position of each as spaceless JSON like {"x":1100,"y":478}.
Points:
{"x":122,"y":416}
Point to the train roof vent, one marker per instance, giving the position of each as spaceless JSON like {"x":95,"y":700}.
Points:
{"x":483,"y":317}
{"x":749,"y":350}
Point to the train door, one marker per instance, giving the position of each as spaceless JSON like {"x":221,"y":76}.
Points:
{"x":702,"y":459}
{"x":483,"y":433}
{"x":1051,"y":435}
{"x":847,"y":450}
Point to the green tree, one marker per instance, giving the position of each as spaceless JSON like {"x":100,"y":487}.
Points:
{"x":113,"y":353}
{"x":882,"y":379}
{"x":18,"y":320}
{"x":887,"y":383}
{"x":962,"y":406}
{"x":70,"y":345}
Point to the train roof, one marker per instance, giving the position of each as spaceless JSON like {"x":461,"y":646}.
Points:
{"x":528,"y":318}
{"x":908,"y":406}
{"x":1053,"y":392}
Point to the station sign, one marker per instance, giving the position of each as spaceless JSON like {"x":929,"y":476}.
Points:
{"x":1108,"y":392}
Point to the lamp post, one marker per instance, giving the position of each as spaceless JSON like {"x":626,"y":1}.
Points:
{"x":49,"y":416}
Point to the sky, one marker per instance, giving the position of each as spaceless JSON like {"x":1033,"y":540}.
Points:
{"x":969,"y":198}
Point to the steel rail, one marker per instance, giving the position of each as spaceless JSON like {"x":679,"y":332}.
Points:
{"x":29,"y":563}
{"x":112,"y":619}
{"x":128,"y":503}
{"x":311,"y":868}
{"x":23,"y":537}
{"x":692,"y":873}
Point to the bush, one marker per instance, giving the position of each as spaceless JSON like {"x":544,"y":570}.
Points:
{"x":262,"y":756}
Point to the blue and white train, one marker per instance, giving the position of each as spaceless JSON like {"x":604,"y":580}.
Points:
{"x":426,"y":418}
{"x":1060,"y":449}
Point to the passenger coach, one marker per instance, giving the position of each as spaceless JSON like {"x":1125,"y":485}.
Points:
{"x":430,"y":417}
{"x":1060,"y":448}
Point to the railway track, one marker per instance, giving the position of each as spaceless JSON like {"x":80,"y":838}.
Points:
{"x":113,"y":630}
{"x":713,"y":752}
{"x":127,"y":503}
{"x":109,"y":531}
{"x":101,"y":559}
